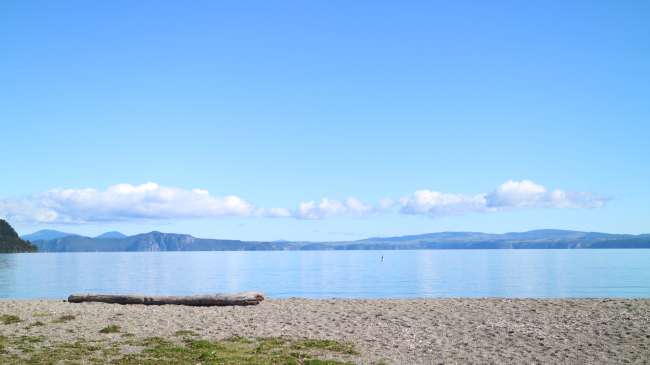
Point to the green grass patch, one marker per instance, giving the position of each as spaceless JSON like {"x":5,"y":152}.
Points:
{"x":64,"y":318}
{"x":233,"y":351}
{"x":240,"y":339}
{"x":35,"y":324}
{"x":185,"y":333}
{"x":9,"y":319}
{"x":329,"y":345}
{"x":110,"y":329}
{"x":65,"y":353}
{"x":153,"y":341}
{"x":26,"y":343}
{"x":156,"y":350}
{"x":30,"y":339}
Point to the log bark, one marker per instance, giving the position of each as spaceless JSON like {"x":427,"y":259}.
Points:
{"x":246,"y":298}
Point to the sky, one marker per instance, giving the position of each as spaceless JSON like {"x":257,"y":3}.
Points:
{"x":324,"y":120}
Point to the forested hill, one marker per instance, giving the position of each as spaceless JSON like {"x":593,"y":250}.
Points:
{"x":10,"y":242}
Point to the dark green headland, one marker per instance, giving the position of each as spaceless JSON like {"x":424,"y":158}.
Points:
{"x":10,"y":242}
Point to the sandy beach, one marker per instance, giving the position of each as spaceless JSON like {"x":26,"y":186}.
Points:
{"x":431,"y":331}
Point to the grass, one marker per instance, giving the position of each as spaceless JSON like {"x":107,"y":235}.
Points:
{"x":64,"y":353}
{"x":64,"y":318}
{"x":35,"y":324}
{"x":25,"y":344}
{"x":156,"y":350}
{"x":31,"y":339}
{"x":9,"y":319}
{"x":110,"y":329}
{"x":185,"y":333}
{"x":233,"y":351}
{"x":329,"y":345}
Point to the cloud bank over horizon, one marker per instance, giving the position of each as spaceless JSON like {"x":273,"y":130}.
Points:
{"x":508,"y":196}
{"x":151,"y":201}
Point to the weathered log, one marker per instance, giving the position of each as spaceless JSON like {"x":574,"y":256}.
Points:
{"x":246,"y":298}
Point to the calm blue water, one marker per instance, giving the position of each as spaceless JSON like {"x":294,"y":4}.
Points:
{"x":324,"y":274}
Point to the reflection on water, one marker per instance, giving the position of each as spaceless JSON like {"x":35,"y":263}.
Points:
{"x":7,"y":275}
{"x":323,"y":274}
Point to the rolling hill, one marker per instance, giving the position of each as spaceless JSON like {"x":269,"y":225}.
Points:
{"x":112,"y":234}
{"x":45,"y":234}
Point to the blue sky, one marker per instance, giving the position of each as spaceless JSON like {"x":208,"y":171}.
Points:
{"x":283,"y":103}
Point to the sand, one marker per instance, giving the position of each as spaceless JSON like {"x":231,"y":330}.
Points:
{"x":426,"y":331}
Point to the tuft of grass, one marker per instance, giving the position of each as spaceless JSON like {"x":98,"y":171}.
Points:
{"x":41,"y":314}
{"x":329,"y":345}
{"x":154,"y":341}
{"x":239,"y":339}
{"x":266,"y":344}
{"x":63,"y":353}
{"x":35,"y":324}
{"x":64,"y":318}
{"x":110,"y":329}
{"x":9,"y":319}
{"x":185,"y":333}
{"x":26,"y":343}
{"x":31,"y":339}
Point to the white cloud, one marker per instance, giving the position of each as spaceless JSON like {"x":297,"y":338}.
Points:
{"x":151,"y":201}
{"x":517,"y":194}
{"x":437,"y":204}
{"x":509,"y":195}
{"x":527,"y":194}
{"x":386,"y":203}
{"x":25,"y":210}
{"x":329,"y":208}
{"x":275,"y":213}
{"x":124,"y":202}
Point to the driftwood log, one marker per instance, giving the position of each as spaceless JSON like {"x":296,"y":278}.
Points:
{"x":247,"y":298}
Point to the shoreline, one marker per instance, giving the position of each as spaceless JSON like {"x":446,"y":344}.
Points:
{"x":393,"y":331}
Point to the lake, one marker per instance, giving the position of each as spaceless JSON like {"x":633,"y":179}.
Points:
{"x":328,"y":274}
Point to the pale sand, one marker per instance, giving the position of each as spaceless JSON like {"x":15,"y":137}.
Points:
{"x":430,"y":331}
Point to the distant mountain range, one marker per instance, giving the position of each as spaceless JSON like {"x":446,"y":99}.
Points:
{"x":112,"y":234}
{"x":45,"y":234}
{"x":158,"y":241}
